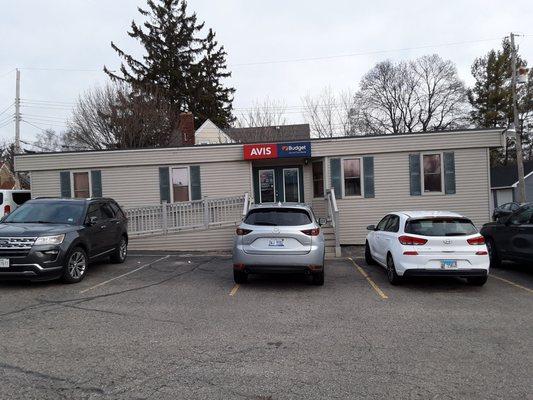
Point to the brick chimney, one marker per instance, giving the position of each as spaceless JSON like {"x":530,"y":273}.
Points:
{"x":186,"y":128}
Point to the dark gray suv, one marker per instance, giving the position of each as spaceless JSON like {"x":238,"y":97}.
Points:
{"x":47,"y":239}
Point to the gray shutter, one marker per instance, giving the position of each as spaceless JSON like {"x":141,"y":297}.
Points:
{"x":64,"y":178}
{"x":449,"y":173}
{"x":368,"y":171}
{"x":96,"y":183}
{"x":196,"y":184}
{"x":164,"y":184}
{"x":336,"y":176}
{"x":414,"y":175}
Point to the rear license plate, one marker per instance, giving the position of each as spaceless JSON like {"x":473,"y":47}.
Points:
{"x":4,"y":262}
{"x":276,"y":243}
{"x":447,"y":264}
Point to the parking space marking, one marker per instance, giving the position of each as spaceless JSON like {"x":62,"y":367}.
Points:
{"x":512,"y":283}
{"x":234,"y":289}
{"x":123,"y":275}
{"x":370,"y":280}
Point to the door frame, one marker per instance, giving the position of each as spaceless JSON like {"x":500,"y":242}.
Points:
{"x":278,"y":181}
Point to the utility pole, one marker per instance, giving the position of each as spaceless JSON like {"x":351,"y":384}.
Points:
{"x":519,"y":155}
{"x":17,"y":126}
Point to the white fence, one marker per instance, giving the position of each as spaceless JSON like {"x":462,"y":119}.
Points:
{"x":199,"y":214}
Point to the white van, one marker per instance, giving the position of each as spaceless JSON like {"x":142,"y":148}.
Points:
{"x":11,"y":199}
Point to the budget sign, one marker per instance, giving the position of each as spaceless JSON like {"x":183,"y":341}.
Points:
{"x":294,"y":149}
{"x":260,"y":151}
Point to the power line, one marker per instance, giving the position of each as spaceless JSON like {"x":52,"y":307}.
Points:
{"x":7,"y":73}
{"x":7,"y":108}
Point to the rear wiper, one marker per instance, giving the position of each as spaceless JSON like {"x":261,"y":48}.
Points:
{"x":455,"y":234}
{"x":37,"y":222}
{"x":266,"y":223}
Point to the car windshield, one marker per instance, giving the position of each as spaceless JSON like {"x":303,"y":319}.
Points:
{"x":278,"y":217}
{"x":440,"y":227}
{"x":52,"y":213}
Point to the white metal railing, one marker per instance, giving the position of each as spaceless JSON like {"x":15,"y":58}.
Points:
{"x":197,"y":214}
{"x":333,"y":217}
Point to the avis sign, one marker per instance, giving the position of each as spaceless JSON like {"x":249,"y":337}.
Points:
{"x":276,"y":150}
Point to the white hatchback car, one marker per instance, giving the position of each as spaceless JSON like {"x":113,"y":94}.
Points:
{"x":428,"y":243}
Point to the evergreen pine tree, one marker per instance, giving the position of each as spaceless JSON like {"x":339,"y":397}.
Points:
{"x":491,"y":97}
{"x":186,"y":68}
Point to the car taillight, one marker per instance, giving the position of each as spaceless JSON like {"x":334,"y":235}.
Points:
{"x":410,"y":253}
{"x":242,"y":232}
{"x":412,"y":241}
{"x":476,"y":240}
{"x":482,"y":253}
{"x":312,"y":232}
{"x":7,"y":209}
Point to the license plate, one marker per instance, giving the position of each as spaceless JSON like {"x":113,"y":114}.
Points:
{"x":447,"y":264}
{"x":4,"y":263}
{"x":276,"y":243}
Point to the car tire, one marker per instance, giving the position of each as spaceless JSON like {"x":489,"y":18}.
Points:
{"x":392,"y":276}
{"x":240,"y":277}
{"x":495,"y":261}
{"x":368,"y":255}
{"x":318,"y":278}
{"x":477,"y":280}
{"x":121,"y":252}
{"x":76,"y":265}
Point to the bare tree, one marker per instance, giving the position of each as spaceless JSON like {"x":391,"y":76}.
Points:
{"x":328,"y":113}
{"x":119,"y":116}
{"x":422,"y":95}
{"x":263,"y":113}
{"x":48,"y":140}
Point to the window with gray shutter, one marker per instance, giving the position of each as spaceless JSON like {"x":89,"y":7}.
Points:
{"x":414,"y":175}
{"x":368,"y":172}
{"x":449,"y":173}
{"x":336,"y":176}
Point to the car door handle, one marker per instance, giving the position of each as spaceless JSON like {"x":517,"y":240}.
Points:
{"x":103,"y":227}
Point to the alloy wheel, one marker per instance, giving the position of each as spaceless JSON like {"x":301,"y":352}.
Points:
{"x":77,"y":264}
{"x":123,"y":249}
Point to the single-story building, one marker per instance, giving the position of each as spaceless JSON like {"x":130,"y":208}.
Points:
{"x":370,"y":176}
{"x":504,"y":183}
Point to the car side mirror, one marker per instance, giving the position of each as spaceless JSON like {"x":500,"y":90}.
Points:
{"x":322,"y":221}
{"x":371,"y":228}
{"x":92,"y":220}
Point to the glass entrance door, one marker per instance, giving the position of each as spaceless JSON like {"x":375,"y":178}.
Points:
{"x":291,"y":185}
{"x":267,"y":186}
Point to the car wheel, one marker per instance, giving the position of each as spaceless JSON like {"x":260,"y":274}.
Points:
{"x":240,"y":277}
{"x":318,"y":278}
{"x":495,"y":261}
{"x":121,"y":252}
{"x":368,"y":255}
{"x":76,"y":266}
{"x":393,"y":277}
{"x":477,"y":280}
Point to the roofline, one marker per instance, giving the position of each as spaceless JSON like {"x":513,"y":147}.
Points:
{"x":333,"y":138}
{"x":501,"y":187}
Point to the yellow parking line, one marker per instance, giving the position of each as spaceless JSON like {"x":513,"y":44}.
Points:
{"x":234,"y":289}
{"x":369,"y":279}
{"x":512,"y":283}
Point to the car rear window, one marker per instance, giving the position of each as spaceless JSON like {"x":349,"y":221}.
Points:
{"x":440,"y":227}
{"x":20,"y":198}
{"x":278,"y":217}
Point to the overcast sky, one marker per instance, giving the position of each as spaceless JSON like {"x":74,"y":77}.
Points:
{"x":42,"y":37}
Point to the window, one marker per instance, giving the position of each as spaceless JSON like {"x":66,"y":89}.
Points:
{"x":51,"y":212}
{"x":352,"y":177}
{"x":524,"y":216}
{"x":318,"y":179}
{"x":432,"y":172}
{"x":278,"y":217}
{"x":20,"y":197}
{"x":94,"y":210}
{"x":382,"y":223}
{"x":393,"y":225}
{"x":441,"y":227}
{"x":107,"y":211}
{"x":117,"y":210}
{"x":180,"y":184}
{"x":81,"y":185}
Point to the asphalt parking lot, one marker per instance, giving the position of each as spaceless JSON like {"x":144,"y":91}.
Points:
{"x":175,"y":326}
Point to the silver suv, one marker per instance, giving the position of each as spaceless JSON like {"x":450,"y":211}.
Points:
{"x":278,"y":238}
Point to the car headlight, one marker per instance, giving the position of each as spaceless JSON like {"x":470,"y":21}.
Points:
{"x":56,"y":239}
